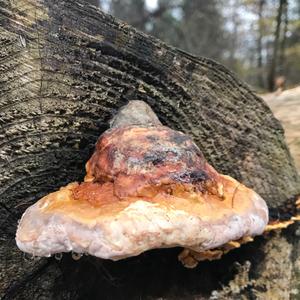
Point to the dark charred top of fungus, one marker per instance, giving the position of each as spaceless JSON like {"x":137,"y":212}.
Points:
{"x":128,"y":157}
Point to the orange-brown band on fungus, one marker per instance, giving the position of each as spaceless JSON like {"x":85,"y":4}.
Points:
{"x":101,"y":194}
{"x":95,"y":193}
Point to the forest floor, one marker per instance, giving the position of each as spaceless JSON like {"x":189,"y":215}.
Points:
{"x":286,"y":108}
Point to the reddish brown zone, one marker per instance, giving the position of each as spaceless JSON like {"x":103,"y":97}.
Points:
{"x":95,"y":193}
{"x":138,"y":161}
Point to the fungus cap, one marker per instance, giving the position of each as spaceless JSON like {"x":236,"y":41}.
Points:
{"x":147,"y":186}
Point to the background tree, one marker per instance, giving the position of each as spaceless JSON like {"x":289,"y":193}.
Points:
{"x":242,"y":34}
{"x":260,"y":81}
{"x":202,"y":28}
{"x":132,"y":11}
{"x":285,"y":21}
{"x":292,"y":44}
{"x":274,"y":57}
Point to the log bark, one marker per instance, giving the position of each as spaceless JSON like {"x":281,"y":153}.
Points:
{"x":66,"y":68}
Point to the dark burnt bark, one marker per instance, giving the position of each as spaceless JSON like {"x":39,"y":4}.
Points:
{"x":65,"y":70}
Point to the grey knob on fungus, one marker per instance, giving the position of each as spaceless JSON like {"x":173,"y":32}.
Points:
{"x":146,"y":186}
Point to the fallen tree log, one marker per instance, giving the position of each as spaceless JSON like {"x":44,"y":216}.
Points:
{"x":66,"y":68}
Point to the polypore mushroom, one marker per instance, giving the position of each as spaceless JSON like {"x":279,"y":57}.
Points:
{"x":147,"y":186}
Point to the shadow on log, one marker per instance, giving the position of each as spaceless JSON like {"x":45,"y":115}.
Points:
{"x":66,"y":68}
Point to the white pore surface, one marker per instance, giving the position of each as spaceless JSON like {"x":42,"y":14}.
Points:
{"x":141,"y":226}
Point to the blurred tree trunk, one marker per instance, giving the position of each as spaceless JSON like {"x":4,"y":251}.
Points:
{"x":281,"y":60}
{"x":131,"y":11}
{"x":274,"y":58}
{"x":203,"y":29}
{"x":259,"y":44}
{"x":66,"y":68}
{"x":232,"y":62}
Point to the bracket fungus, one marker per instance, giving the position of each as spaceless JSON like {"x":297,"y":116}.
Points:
{"x":146,"y":186}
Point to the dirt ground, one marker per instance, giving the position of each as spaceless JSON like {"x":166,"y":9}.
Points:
{"x":286,"y":108}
